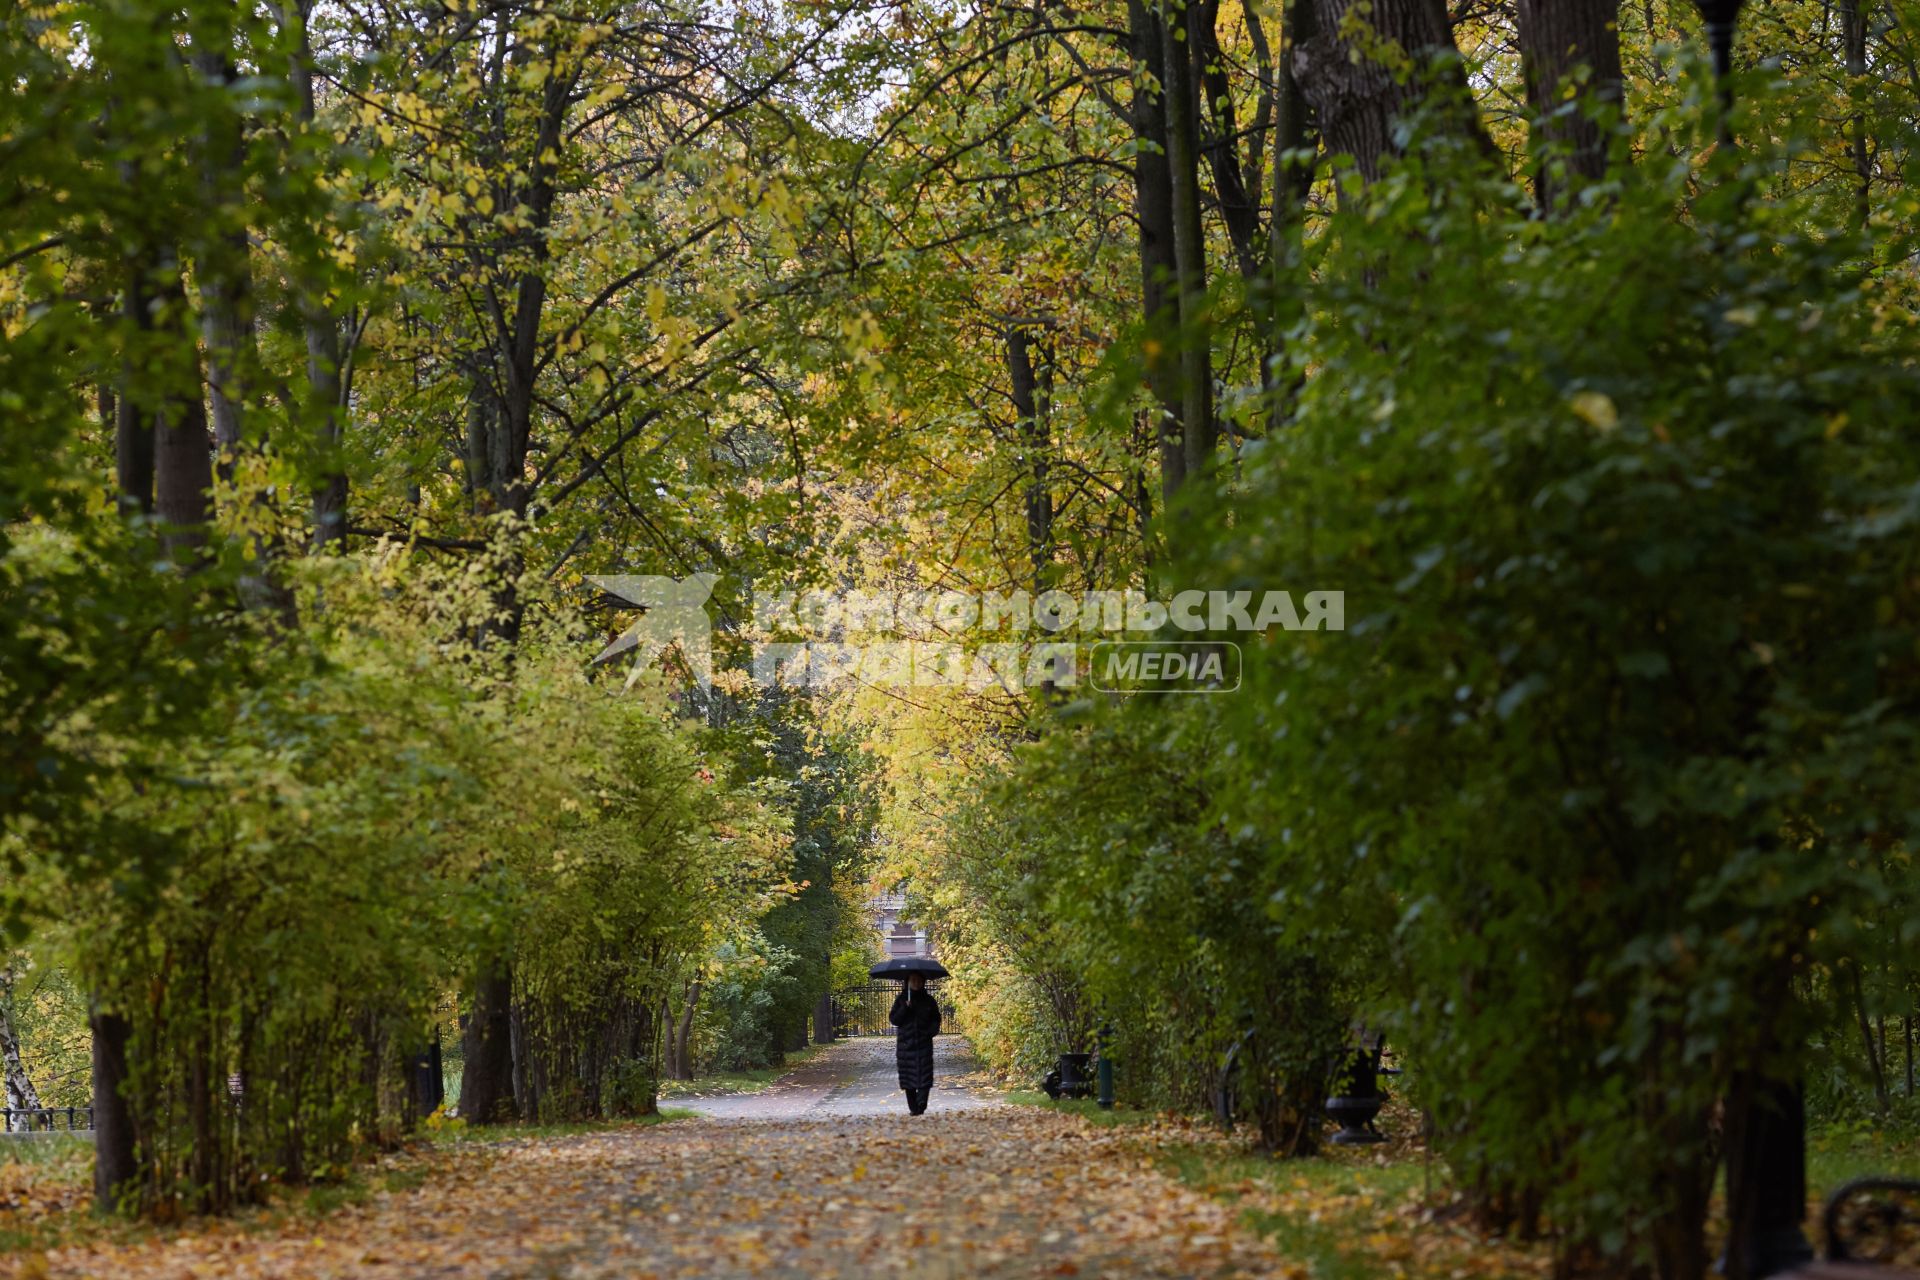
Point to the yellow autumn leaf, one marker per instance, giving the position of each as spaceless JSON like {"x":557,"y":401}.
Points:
{"x":1596,"y":409}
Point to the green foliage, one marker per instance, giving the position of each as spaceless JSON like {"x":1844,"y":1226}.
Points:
{"x":1099,"y":870}
{"x":1611,"y":751}
{"x":822,"y":781}
{"x":355,"y":779}
{"x":632,"y":1088}
{"x":49,"y":1013}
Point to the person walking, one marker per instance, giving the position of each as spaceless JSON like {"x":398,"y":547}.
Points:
{"x":917,"y":1014}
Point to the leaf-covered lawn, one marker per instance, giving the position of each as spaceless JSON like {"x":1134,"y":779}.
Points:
{"x":1002,"y":1192}
{"x":748,"y":1080}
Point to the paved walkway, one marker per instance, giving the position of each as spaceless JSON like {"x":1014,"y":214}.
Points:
{"x":855,"y":1078}
{"x":823,"y":1177}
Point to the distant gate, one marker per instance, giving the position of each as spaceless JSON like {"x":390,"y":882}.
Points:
{"x":862,"y":1010}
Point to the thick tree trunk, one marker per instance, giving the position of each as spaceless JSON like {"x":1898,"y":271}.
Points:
{"x":182,"y":451}
{"x":223,"y":271}
{"x":683,"y":1042}
{"x":486,"y":1081}
{"x":114,"y":1169}
{"x":823,"y":1019}
{"x":324,"y":381}
{"x":1357,"y":99}
{"x":227,"y":323}
{"x":133,"y":444}
{"x":1153,"y":207}
{"x":1189,"y":243}
{"x":667,"y":1055}
{"x":1556,"y":38}
{"x":1766,"y":1187}
{"x":223,"y":263}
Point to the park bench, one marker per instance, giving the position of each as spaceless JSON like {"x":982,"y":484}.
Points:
{"x":1872,"y":1230}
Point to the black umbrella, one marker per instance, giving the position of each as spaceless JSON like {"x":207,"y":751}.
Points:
{"x":901,"y":966}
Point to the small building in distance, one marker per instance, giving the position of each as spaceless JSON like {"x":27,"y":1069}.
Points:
{"x":898,"y":937}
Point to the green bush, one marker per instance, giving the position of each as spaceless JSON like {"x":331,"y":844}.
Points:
{"x":632,"y":1088}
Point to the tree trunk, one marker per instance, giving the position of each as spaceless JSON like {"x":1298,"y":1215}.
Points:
{"x":1217,"y":138}
{"x":1875,"y":1057}
{"x":1292,"y":180}
{"x":486,"y":1081}
{"x":183,"y":454}
{"x":323,"y":379}
{"x":133,"y":444}
{"x":1853,"y":31}
{"x":223,"y":271}
{"x":1556,"y":37}
{"x":525,"y":1104}
{"x":669,"y":1057}
{"x":1683,"y":1190}
{"x":223,"y":263}
{"x":823,"y":1019}
{"x":225,"y":304}
{"x":18,"y":1085}
{"x":1189,"y":243}
{"x":114,"y":1169}
{"x":1766,"y":1186}
{"x":1153,"y":206}
{"x":325,"y":391}
{"x":683,"y":1043}
{"x":1356,"y":99}
{"x":1032,"y":391}
{"x":520,"y":342}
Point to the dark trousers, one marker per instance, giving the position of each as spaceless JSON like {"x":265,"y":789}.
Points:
{"x":917,"y":1101}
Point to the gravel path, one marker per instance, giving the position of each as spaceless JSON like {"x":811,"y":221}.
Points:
{"x":824,"y":1176}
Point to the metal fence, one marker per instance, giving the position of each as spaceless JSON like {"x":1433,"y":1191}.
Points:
{"x":862,"y":1010}
{"x":45,"y":1119}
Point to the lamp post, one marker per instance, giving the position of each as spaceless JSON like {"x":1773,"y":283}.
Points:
{"x":1106,"y":1067}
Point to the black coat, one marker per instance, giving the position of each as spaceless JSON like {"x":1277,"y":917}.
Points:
{"x":918,"y":1018}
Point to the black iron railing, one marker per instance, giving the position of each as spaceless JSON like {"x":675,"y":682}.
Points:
{"x":45,"y":1119}
{"x":862,"y":1011}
